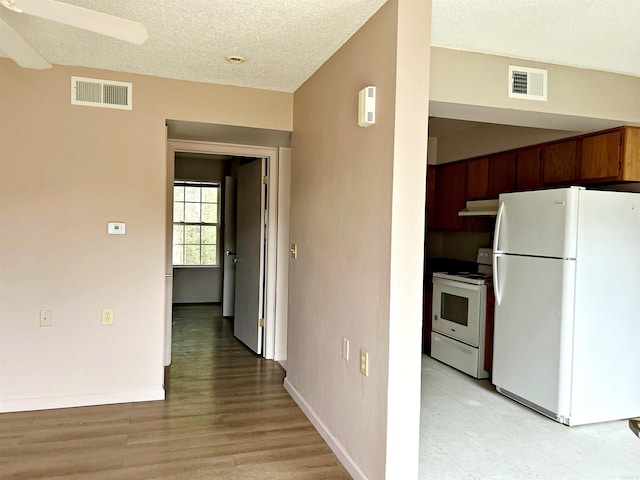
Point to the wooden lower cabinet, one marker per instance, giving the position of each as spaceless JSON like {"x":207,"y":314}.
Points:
{"x":488,"y":332}
{"x":426,"y":318}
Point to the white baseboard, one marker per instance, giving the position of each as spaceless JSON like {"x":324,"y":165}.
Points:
{"x":87,"y":400}
{"x":337,"y":448}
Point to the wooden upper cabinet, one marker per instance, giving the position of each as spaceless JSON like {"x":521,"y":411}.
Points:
{"x":450,"y":196}
{"x":607,"y":156}
{"x":600,"y":157}
{"x":630,"y":154}
{"x":431,"y":196}
{"x":477,"y":178}
{"x":502,"y":174}
{"x":611,"y":156}
{"x":559,"y":162}
{"x":528,"y":162}
{"x":477,"y":189}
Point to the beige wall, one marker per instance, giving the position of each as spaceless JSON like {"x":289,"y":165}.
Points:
{"x":65,"y":171}
{"x":491,"y":138}
{"x":359,"y":269}
{"x":474,"y":86}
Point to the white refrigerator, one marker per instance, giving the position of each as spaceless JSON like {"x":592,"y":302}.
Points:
{"x":567,"y":314}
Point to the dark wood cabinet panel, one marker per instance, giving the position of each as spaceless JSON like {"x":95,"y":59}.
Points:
{"x":631,"y":154}
{"x":477,"y":178}
{"x":600,"y":157}
{"x":528,"y":169}
{"x":488,"y":334}
{"x":559,"y":162}
{"x":607,"y":156}
{"x":432,"y":173}
{"x":479,"y":224}
{"x":502,"y":174}
{"x":426,"y":318}
{"x":450,"y":196}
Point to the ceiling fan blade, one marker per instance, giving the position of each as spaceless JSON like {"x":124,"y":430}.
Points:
{"x":20,"y":51}
{"x":80,"y":17}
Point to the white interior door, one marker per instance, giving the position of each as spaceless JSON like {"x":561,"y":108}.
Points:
{"x":250,"y":240}
{"x":229,"y":254}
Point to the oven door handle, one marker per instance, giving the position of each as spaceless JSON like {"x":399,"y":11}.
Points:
{"x":496,"y":279}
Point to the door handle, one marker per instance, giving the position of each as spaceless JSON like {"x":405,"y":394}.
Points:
{"x":228,"y":253}
{"x":496,"y":233}
{"x":496,"y":280}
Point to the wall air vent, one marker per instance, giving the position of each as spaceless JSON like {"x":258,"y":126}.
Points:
{"x":101,"y":93}
{"x":527,"y":83}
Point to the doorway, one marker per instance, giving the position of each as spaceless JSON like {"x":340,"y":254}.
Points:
{"x":276,"y":238}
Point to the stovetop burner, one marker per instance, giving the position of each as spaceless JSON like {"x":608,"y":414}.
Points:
{"x":480,"y":277}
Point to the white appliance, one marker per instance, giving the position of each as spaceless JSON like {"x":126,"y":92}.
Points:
{"x":567,"y":315}
{"x":458,"y":317}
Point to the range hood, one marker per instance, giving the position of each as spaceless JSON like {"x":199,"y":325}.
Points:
{"x":475,"y":208}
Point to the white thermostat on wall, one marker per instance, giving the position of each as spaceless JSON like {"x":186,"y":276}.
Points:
{"x":367,"y":106}
{"x":116,"y":228}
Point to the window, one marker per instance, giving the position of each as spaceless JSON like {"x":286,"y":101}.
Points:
{"x":196,"y":213}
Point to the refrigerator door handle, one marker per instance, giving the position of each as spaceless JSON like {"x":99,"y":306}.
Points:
{"x":496,"y":233}
{"x":496,"y":280}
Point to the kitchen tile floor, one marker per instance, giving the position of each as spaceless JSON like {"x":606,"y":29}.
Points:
{"x":469,"y":431}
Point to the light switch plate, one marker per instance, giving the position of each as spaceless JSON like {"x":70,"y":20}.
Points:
{"x":345,"y":349}
{"x":116,"y":228}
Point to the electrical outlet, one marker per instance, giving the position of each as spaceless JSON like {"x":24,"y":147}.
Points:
{"x":45,"y":318}
{"x":364,"y":362}
{"x":345,"y":349}
{"x":107,"y":316}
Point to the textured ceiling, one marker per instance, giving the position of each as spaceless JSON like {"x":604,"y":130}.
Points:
{"x":594,"y":34}
{"x":285,"y":41}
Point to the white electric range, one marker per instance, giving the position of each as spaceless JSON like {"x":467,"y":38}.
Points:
{"x":458,"y":316}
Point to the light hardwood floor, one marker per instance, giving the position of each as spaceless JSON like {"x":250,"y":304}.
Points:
{"x":226,"y":416}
